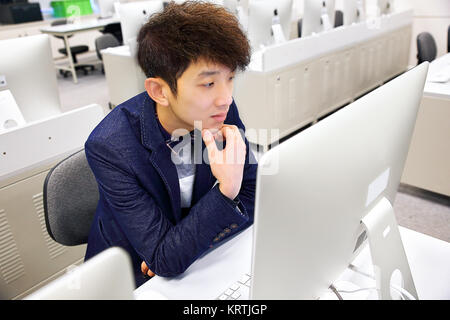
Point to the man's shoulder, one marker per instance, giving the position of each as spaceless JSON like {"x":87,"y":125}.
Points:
{"x":122,"y":124}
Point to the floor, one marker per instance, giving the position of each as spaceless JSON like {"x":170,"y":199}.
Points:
{"x":416,"y":209}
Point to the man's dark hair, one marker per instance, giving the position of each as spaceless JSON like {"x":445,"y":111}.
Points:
{"x":184,"y":33}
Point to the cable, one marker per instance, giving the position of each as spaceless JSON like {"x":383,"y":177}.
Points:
{"x":333,"y":288}
{"x":358,"y":270}
{"x":403,"y":292}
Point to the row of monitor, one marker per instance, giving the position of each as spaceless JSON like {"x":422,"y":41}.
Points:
{"x":259,"y":25}
{"x":257,"y":17}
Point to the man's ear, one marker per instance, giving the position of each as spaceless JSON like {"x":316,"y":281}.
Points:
{"x":157,"y":90}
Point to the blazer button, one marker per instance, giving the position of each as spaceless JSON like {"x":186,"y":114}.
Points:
{"x":216,"y":239}
{"x":233,"y":226}
{"x":227,"y":230}
{"x":222,"y":234}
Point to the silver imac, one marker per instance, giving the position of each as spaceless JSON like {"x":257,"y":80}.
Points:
{"x":133,"y":15}
{"x":262,"y":14}
{"x":386,"y":6}
{"x":312,"y":20}
{"x":350,"y":11}
{"x":106,"y":8}
{"x":330,"y":8}
{"x":28,"y":72}
{"x":320,"y":191}
{"x":107,"y":276}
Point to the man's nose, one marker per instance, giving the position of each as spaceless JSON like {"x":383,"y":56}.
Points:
{"x":224,"y":96}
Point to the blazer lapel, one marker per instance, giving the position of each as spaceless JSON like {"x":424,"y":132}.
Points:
{"x":160,"y":158}
{"x":168,"y":172}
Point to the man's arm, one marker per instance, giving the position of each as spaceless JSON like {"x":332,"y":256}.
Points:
{"x":167,"y":249}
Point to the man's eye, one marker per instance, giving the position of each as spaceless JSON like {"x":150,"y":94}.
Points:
{"x":208,"y":85}
{"x":231,"y":78}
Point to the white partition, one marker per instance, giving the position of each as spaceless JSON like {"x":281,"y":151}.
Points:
{"x":291,"y":85}
{"x":29,"y":258}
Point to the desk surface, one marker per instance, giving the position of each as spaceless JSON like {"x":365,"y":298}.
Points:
{"x":429,"y":260}
{"x":435,"y":89}
{"x":78,"y":27}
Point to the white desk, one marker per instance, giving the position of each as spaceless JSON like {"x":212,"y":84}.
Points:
{"x":210,"y":275}
{"x":69,"y":29}
{"x":428,"y":162}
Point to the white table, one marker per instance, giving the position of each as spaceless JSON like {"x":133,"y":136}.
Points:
{"x":428,"y":162}
{"x":206,"y":278}
{"x":67,"y":30}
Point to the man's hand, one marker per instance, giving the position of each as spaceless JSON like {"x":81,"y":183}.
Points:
{"x":227,"y":165}
{"x":145,"y":270}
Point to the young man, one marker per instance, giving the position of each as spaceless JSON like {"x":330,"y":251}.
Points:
{"x":159,"y":201}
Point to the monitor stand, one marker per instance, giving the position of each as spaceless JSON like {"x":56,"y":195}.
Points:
{"x":278,"y":35}
{"x":386,"y":248}
{"x":326,"y":22}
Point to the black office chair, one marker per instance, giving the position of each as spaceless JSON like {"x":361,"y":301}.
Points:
{"x":74,"y":50}
{"x":115,"y":30}
{"x":338,"y":18}
{"x":299,"y":27}
{"x":448,"y":39}
{"x":70,"y":200}
{"x":105,"y":41}
{"x":426,"y":47}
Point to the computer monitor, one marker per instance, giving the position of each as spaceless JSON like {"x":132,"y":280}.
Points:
{"x":386,"y":6}
{"x":354,"y":11}
{"x":350,"y":12}
{"x":107,"y":8}
{"x":107,"y":276}
{"x":232,"y":5}
{"x":316,"y":16}
{"x":27,"y":70}
{"x":133,"y":15}
{"x":262,"y":15}
{"x":330,"y":9}
{"x":314,"y":189}
{"x":240,"y":9}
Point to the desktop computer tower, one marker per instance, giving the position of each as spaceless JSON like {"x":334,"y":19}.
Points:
{"x":19,"y":12}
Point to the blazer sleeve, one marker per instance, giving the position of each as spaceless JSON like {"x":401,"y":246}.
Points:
{"x":167,"y":249}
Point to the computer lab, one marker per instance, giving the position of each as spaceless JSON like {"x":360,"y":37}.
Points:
{"x":226,"y":151}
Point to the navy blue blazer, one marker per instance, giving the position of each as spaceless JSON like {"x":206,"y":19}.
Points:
{"x":139,"y":205}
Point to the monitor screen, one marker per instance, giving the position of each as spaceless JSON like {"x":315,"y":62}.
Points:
{"x":314,"y":190}
{"x":350,"y":10}
{"x":106,"y":8}
{"x":386,"y":6}
{"x":311,"y":20}
{"x":262,"y":14}
{"x":27,"y":70}
{"x":107,"y":276}
{"x":133,"y":15}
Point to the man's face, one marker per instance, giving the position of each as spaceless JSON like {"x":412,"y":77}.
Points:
{"x":204,"y":93}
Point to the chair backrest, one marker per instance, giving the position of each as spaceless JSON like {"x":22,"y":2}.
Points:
{"x":426,"y":47}
{"x":115,"y":29}
{"x":338,"y":18}
{"x":70,"y":200}
{"x":105,"y":41}
{"x":299,"y":27}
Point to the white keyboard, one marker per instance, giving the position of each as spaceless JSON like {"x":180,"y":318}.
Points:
{"x":240,"y":290}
